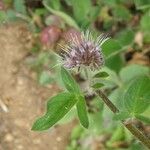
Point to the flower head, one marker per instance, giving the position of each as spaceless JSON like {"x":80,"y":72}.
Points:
{"x":84,"y":51}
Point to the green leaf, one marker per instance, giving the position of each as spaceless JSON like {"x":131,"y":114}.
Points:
{"x":97,"y":85}
{"x":55,"y":4}
{"x":137,"y":95}
{"x":20,"y":7}
{"x":126,"y":37}
{"x":121,"y":116}
{"x":69,"y":82}
{"x":61,"y":14}
{"x":82,"y":112}
{"x":81,"y":10}
{"x":132,"y":71}
{"x":143,"y":118}
{"x":142,"y":4}
{"x":116,"y":97}
{"x":121,"y":13}
{"x":111,"y":47}
{"x":69,"y":117}
{"x":144,"y":22}
{"x":115,"y":62}
{"x":57,"y":107}
{"x":145,"y":26}
{"x":101,"y":75}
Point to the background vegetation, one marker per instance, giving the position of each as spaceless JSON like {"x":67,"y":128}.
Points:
{"x":127,"y":55}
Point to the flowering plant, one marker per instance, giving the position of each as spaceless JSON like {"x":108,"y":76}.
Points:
{"x":84,"y":53}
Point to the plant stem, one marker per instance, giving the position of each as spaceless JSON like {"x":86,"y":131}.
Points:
{"x":138,"y":134}
{"x":134,"y":130}
{"x":111,"y":106}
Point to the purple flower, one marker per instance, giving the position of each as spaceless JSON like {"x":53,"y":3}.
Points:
{"x":84,"y":51}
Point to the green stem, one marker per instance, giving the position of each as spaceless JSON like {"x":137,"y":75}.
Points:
{"x":134,"y":130}
{"x":112,"y":107}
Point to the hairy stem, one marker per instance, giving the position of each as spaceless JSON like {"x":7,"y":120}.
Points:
{"x":134,"y":130}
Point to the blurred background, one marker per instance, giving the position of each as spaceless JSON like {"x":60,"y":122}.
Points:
{"x":30,"y":32}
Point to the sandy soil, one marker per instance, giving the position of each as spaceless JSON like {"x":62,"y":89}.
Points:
{"x":21,"y":98}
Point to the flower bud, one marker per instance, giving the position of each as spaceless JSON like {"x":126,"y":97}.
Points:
{"x":50,"y":35}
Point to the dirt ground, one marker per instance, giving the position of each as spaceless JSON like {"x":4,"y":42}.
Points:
{"x":21,"y":98}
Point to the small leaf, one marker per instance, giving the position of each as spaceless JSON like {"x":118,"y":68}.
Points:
{"x":137,"y":95}
{"x":57,"y":107}
{"x":143,"y":118}
{"x":101,"y":75}
{"x":97,"y":85}
{"x":82,"y":112}
{"x":121,"y":116}
{"x":69,"y":82}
